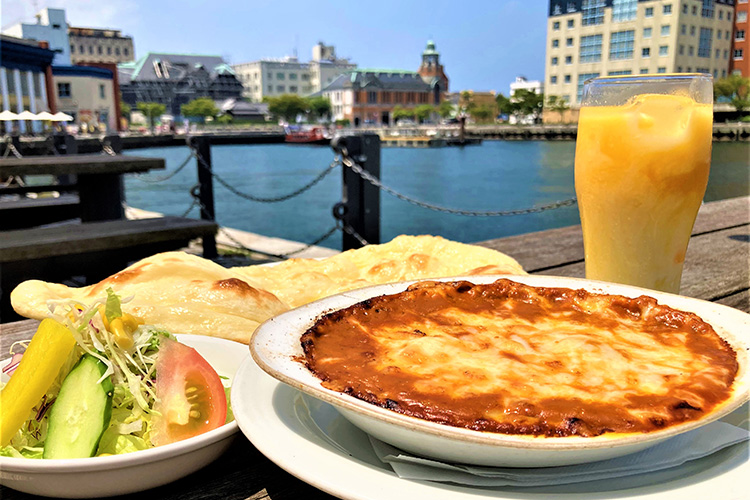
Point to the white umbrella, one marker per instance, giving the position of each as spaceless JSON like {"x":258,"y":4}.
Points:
{"x":27,"y":115}
{"x":45,"y":115}
{"x":7,"y":115}
{"x":62,"y":117}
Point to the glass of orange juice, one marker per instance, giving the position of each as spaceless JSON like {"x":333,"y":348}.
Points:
{"x":643,"y":154}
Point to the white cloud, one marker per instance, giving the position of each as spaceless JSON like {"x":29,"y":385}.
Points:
{"x":115,"y":14}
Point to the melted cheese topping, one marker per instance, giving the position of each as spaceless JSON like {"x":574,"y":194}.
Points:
{"x":511,"y":358}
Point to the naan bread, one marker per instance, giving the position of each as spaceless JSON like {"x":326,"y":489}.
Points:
{"x":188,"y":294}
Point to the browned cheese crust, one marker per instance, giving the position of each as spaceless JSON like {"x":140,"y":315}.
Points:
{"x":515,"y":359}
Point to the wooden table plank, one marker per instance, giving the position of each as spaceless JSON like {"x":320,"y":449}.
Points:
{"x":78,"y":164}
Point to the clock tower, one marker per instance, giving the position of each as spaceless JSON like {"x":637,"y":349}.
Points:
{"x":432,"y":71}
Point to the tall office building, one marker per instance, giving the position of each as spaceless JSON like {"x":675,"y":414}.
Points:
{"x":741,"y":40}
{"x":590,"y":38}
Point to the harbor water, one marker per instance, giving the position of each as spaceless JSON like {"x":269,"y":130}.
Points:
{"x":494,"y":176}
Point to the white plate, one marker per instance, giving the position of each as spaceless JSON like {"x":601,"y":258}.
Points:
{"x":312,"y":441}
{"x":276,"y":348}
{"x":137,"y":471}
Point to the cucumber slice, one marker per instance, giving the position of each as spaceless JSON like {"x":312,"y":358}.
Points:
{"x":81,"y":412}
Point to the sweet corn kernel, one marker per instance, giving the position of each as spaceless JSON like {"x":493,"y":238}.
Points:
{"x":103,"y":316}
{"x":131,"y":323}
{"x":123,"y":338}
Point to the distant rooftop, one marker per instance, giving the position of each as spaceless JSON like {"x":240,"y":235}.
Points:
{"x":163,"y":66}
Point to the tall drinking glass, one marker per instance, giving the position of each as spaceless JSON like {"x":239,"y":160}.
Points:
{"x":642,"y":158}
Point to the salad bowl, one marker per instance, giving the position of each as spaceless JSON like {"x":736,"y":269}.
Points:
{"x":276,"y":348}
{"x":140,"y":470}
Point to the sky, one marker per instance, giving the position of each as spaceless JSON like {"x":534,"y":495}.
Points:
{"x":484,"y":45}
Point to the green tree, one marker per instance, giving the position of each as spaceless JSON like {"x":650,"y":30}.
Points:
{"x":467,"y":102}
{"x":557,"y":104}
{"x":287,"y":106}
{"x":528,"y":103}
{"x":400,"y":113}
{"x":202,"y":107}
{"x":125,"y":109}
{"x":736,"y":88}
{"x":481,"y":113}
{"x":505,"y":106}
{"x":423,"y":111}
{"x":320,"y":107}
{"x":151,"y":110}
{"x":445,"y":110}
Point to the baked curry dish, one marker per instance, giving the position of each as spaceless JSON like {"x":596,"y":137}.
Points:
{"x":510,"y":358}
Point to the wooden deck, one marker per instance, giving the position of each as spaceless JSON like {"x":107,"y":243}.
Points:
{"x":717,"y":269}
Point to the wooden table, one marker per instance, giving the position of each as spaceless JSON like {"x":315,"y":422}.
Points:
{"x":717,"y":269}
{"x":99,"y":178}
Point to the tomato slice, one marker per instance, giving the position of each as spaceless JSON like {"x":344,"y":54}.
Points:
{"x":189,"y":392}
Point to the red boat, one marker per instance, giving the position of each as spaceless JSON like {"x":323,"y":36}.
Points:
{"x":315,"y":135}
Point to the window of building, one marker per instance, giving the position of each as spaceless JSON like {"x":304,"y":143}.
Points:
{"x":569,"y":59}
{"x":581,"y":80}
{"x":691,"y":50}
{"x":55,"y":26}
{"x":568,"y":42}
{"x":270,"y":75}
{"x":692,"y":31}
{"x":740,"y":35}
{"x":704,"y":42}
{"x":592,"y":12}
{"x":679,"y":69}
{"x":554,"y":61}
{"x":591,"y":49}
{"x":708,"y":9}
{"x":125,"y":51}
{"x":567,"y":78}
{"x":649,"y":12}
{"x":372,"y":97}
{"x":621,"y":44}
{"x":553,"y":79}
{"x":117,"y":51}
{"x":717,"y":54}
{"x":619,"y":73}
{"x":647,"y":32}
{"x":305,"y":77}
{"x":665,"y":30}
{"x":102,"y":91}
{"x":91,"y":49}
{"x":644,"y":71}
{"x":688,"y":69}
{"x":695,"y":10}
{"x":716,"y":73}
{"x":72,"y":49}
{"x":721,"y":14}
{"x":683,"y":29}
{"x":24,"y":84}
{"x":741,"y":16}
{"x":681,"y":50}
{"x":556,"y":25}
{"x":270,"y":89}
{"x":666,"y":9}
{"x":109,"y":51}
{"x":702,"y":70}
{"x":624,"y":10}
{"x":280,"y":88}
{"x":293,"y":89}
{"x":661,"y":69}
{"x":718,"y":34}
{"x":646,"y":52}
{"x":723,"y":73}
{"x":571,"y":24}
{"x":737,"y":55}
{"x":555,"y":43}
{"x":63,"y":89}
{"x":684,"y":8}
{"x":280,"y":76}
{"x":726,"y":54}
{"x":100,"y":50}
{"x":81,"y":49}
{"x":663,"y":50}
{"x":292,"y":76}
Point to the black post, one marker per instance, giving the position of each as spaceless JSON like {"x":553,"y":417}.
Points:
{"x":360,"y":198}
{"x":65,"y":144}
{"x":206,"y":181}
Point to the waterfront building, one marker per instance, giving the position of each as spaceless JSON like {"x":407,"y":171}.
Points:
{"x":369,"y":96}
{"x":87,"y":92}
{"x":176,"y":79}
{"x":25,"y":79}
{"x":51,"y":27}
{"x":522,"y":83}
{"x":590,"y":38}
{"x":93,"y":45}
{"x":273,"y":77}
{"x":740,"y":61}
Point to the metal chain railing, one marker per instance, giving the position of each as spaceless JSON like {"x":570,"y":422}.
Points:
{"x":155,"y":180}
{"x":349,"y":162}
{"x":107,"y":147}
{"x":260,"y":199}
{"x":11,"y":148}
